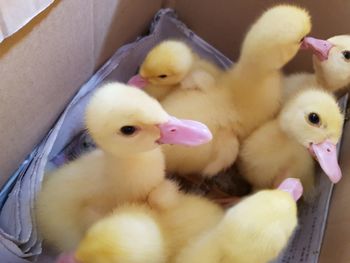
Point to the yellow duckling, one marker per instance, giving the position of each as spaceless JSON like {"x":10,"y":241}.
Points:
{"x":246,"y":96}
{"x":171,"y":65}
{"x":194,"y":231}
{"x":331,"y":62}
{"x":126,"y":168}
{"x":309,"y":124}
{"x":255,"y":230}
{"x":131,"y":234}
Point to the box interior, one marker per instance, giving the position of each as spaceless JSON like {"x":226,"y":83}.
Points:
{"x":44,"y":64}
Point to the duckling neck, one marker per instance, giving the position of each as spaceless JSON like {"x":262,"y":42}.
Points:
{"x":331,"y":85}
{"x":114,"y":161}
{"x":146,"y":168}
{"x":247,"y":65}
{"x":260,"y":90}
{"x":248,"y":76}
{"x":282,"y":125}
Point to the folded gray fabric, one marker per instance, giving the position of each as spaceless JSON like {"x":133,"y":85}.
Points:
{"x":19,"y":239}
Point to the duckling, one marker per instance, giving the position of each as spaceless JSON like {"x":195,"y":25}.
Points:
{"x":171,"y":65}
{"x":310,"y":124}
{"x":126,"y":168}
{"x":331,"y":61}
{"x":255,"y":230}
{"x":131,"y":234}
{"x":194,"y":230}
{"x":134,"y":226}
{"x":245,"y":97}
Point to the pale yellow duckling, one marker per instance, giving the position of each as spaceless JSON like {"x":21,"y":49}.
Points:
{"x":131,"y":234}
{"x":309,"y":124}
{"x":255,"y":230}
{"x":331,"y":61}
{"x":246,"y":96}
{"x":194,"y":231}
{"x":128,"y":126}
{"x":171,"y":65}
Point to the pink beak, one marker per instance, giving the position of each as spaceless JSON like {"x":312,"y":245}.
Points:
{"x":184,"y":132}
{"x":292,"y":186}
{"x":66,"y":258}
{"x":326,"y":154}
{"x":138,"y":81}
{"x":320,"y":48}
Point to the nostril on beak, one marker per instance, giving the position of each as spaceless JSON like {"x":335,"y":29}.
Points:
{"x":173,"y":130}
{"x":328,"y":150}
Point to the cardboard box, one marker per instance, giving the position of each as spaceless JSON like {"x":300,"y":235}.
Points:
{"x":44,"y":63}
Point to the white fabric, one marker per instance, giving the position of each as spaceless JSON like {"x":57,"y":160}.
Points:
{"x":14,"y":14}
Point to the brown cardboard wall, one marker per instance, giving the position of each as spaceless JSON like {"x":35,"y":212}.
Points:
{"x":43,"y":65}
{"x":38,"y":69}
{"x":223,"y":23}
{"x":119,"y":22}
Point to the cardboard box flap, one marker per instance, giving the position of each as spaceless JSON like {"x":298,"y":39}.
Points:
{"x":15,"y":14}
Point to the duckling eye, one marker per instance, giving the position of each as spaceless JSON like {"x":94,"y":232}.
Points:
{"x":86,"y":145}
{"x":346,"y":54}
{"x":314,"y":119}
{"x":128,"y":130}
{"x":162,"y":76}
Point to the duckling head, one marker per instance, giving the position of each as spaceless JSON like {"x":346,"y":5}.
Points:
{"x":331,"y":60}
{"x":166,"y":64}
{"x":123,"y":120}
{"x":313,"y":118}
{"x":276,"y":36}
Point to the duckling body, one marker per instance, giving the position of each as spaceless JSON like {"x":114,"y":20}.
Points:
{"x":189,"y":218}
{"x":214,"y":156}
{"x":296,"y":82}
